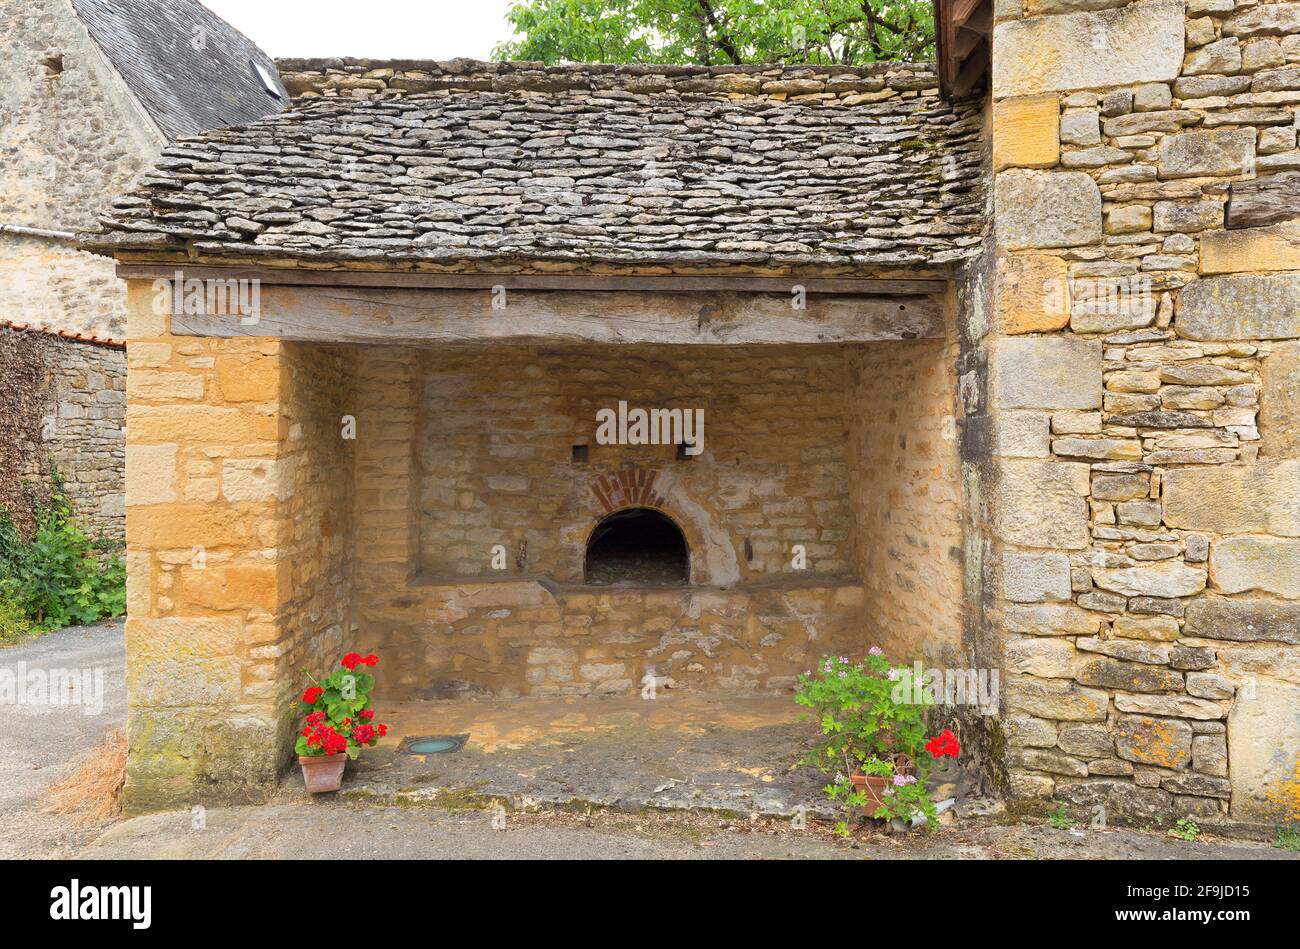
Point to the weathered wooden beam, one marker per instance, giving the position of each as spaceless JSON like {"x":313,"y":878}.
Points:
{"x":966,"y":41}
{"x":373,"y":315}
{"x":980,"y":22}
{"x":963,"y":10}
{"x":1264,"y":200}
{"x":973,"y":71}
{"x":859,"y":286}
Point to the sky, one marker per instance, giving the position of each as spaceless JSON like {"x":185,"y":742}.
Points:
{"x":374,"y":29}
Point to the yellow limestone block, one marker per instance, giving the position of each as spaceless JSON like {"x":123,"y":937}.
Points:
{"x":1026,"y":132}
{"x":1032,"y":293}
{"x":1276,"y":247}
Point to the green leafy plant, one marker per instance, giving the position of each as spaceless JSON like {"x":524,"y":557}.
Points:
{"x":1288,"y":838}
{"x":339,"y":717}
{"x":58,"y":576}
{"x":1185,"y":829}
{"x":872,"y":718}
{"x":14,"y":625}
{"x":1060,"y":819}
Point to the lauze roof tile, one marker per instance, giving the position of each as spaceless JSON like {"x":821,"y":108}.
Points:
{"x":477,"y":165}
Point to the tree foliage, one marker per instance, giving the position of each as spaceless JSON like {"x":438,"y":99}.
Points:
{"x":720,"y":32}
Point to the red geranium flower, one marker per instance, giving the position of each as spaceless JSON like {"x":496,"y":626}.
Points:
{"x":945,"y":743}
{"x":351,"y":660}
{"x":371,"y":659}
{"x":312,"y":694}
{"x":367,"y":713}
{"x":330,"y":741}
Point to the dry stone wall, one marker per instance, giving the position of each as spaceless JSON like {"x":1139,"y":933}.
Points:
{"x":77,"y":408}
{"x":1143,"y":391}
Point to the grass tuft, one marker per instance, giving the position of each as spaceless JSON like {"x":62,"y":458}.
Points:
{"x":93,"y":792}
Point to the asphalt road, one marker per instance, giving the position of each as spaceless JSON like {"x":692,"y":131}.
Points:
{"x":45,"y":742}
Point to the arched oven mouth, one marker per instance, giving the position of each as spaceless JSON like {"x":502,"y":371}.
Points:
{"x":637,"y":546}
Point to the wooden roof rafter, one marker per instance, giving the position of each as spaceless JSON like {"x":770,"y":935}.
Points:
{"x":963,"y":37}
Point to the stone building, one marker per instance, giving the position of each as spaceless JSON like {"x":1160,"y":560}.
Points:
{"x":998,"y":380}
{"x":95,"y":90}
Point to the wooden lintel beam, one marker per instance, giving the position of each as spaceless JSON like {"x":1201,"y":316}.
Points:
{"x":665,"y":283}
{"x":398,"y":316}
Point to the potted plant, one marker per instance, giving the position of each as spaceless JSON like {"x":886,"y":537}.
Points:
{"x":339,"y":722}
{"x":873,"y":736}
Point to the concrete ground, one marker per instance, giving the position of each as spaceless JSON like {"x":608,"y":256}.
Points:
{"x":44,"y":743}
{"x":737,"y":753}
{"x":682,"y":776}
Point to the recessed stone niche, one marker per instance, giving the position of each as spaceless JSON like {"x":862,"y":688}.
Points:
{"x":541,"y":559}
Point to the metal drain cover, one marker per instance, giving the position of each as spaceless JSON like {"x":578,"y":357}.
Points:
{"x":432,"y":744}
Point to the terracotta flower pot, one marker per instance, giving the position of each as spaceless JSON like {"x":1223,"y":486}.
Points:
{"x":874,"y":786}
{"x":322,"y":773}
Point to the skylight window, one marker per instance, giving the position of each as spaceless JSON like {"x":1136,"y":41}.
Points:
{"x":268,"y":81}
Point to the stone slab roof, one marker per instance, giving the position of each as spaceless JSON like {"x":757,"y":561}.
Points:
{"x":187,"y":67}
{"x":478,"y":162}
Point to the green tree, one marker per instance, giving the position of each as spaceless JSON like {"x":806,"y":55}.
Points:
{"x":720,"y":32}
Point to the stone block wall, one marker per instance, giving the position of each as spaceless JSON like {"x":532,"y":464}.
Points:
{"x":1142,"y":401}
{"x":77,"y":405}
{"x":448,"y":465}
{"x":512,"y":637}
{"x":906,"y":493}
{"x":498,"y":426}
{"x":238,"y":549}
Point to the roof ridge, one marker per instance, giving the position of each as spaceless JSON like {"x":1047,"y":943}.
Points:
{"x":461,"y":65}
{"x":354,"y":77}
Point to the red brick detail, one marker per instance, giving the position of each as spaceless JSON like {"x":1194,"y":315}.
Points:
{"x":628,"y":487}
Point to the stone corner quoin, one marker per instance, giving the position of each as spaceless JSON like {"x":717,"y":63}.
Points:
{"x":1141,"y":42}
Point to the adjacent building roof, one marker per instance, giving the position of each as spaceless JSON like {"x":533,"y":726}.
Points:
{"x":188,"y":68}
{"x":74,"y":336}
{"x":658,"y":165}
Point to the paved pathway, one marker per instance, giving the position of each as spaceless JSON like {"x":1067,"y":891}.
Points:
{"x":325,"y":829}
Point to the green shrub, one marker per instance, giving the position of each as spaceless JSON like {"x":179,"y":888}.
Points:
{"x":59,"y":577}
